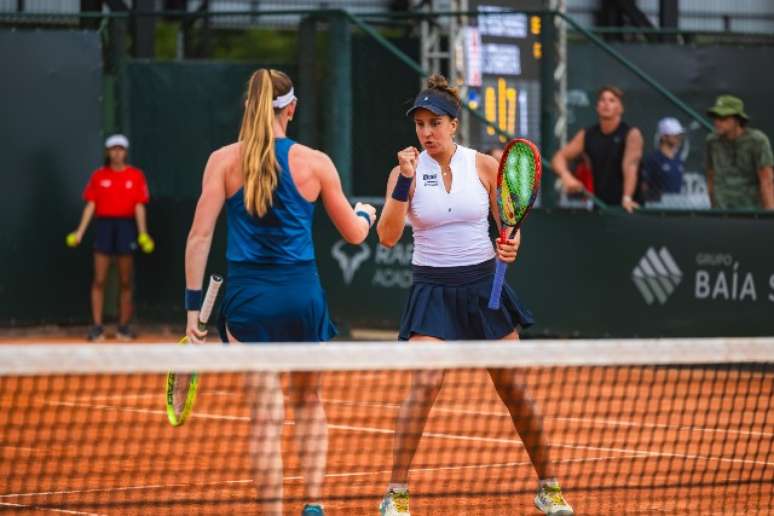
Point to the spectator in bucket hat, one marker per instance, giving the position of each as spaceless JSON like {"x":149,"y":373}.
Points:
{"x":738,"y":159}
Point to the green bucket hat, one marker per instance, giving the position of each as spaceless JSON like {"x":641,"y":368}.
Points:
{"x":728,"y":105}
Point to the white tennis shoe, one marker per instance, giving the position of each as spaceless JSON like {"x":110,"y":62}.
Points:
{"x":395,"y":504}
{"x":549,"y":500}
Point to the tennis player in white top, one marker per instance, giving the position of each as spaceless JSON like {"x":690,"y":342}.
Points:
{"x":447,"y":193}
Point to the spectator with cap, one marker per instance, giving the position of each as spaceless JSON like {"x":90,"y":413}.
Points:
{"x":738,"y":160}
{"x":662,"y":169}
{"x":117,"y":194}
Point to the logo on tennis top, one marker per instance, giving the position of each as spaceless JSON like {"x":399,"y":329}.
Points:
{"x":656,"y":275}
{"x":349,"y":264}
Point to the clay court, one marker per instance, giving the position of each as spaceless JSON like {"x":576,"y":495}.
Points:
{"x":626,"y":440}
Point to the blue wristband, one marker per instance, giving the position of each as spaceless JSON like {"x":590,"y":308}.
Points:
{"x":366,"y":216}
{"x":193,"y":299}
{"x":401,"y":190}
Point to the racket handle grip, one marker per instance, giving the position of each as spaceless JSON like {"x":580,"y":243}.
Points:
{"x":497,"y":285}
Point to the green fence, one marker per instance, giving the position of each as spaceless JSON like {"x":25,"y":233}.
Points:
{"x":50,"y":126}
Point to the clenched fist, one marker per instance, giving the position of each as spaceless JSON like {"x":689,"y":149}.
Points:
{"x":407,"y":161}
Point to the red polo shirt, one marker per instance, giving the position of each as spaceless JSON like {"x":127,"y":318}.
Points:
{"x":116,"y":193}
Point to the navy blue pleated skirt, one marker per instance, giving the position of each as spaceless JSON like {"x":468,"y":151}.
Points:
{"x":450,"y":303}
{"x":275,"y":303}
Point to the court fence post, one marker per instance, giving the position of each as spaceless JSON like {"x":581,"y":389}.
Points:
{"x":308,"y":82}
{"x":337,"y":137}
{"x":548,"y":144}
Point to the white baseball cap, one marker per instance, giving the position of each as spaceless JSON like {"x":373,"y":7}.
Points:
{"x":117,"y":140}
{"x":670,"y":127}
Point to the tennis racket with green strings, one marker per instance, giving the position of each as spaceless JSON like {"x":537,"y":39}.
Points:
{"x":518,"y":182}
{"x":182,"y":387}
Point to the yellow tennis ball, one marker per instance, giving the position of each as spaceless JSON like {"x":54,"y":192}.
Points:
{"x":72,"y":240}
{"x":146,"y":243}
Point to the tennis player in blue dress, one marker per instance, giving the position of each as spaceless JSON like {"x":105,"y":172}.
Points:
{"x":272,"y":292}
{"x":447,"y":192}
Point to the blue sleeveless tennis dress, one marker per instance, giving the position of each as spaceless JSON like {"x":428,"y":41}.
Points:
{"x":272,"y":290}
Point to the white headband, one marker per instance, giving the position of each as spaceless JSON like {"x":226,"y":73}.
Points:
{"x":283,"y":100}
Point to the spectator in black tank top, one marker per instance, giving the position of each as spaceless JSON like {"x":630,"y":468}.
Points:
{"x":614,"y":150}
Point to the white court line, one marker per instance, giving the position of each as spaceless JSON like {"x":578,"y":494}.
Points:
{"x":146,"y":396}
{"x":594,"y":421}
{"x":517,"y":442}
{"x":497,"y":440}
{"x":456,"y":437}
{"x":200,"y":415}
{"x":49,"y":509}
{"x":298,"y":477}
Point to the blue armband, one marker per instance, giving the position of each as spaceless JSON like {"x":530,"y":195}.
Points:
{"x":193,"y":299}
{"x":401,"y":190}
{"x":366,"y":216}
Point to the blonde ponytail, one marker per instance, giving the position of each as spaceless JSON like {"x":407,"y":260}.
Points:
{"x":259,"y":162}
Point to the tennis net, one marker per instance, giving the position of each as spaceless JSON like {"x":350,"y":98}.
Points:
{"x":632,"y":426}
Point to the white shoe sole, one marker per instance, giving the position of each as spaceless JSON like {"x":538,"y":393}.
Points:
{"x":560,"y":512}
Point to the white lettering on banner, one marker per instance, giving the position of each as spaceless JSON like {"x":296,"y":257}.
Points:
{"x":748,"y":287}
{"x":390,"y":277}
{"x":771,"y":285}
{"x":702,"y":285}
{"x":719,"y":288}
{"x":714,"y":260}
{"x":400,"y":253}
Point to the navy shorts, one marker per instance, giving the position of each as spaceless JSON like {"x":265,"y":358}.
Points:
{"x":450,"y":303}
{"x":115,"y":236}
{"x":275,"y":303}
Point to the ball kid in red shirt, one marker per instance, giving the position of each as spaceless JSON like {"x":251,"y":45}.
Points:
{"x":115,"y":196}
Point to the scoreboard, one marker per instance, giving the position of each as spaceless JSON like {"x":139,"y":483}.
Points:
{"x":501,"y":71}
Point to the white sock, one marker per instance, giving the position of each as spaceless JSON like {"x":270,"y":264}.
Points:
{"x":397,"y":488}
{"x":550,"y":482}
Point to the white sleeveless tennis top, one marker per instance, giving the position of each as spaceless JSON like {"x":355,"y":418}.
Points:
{"x":450,"y":229}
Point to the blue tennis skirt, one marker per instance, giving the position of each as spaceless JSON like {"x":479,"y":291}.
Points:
{"x":450,"y":303}
{"x":275,"y":303}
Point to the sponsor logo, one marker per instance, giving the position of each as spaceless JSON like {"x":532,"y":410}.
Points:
{"x":430,"y":179}
{"x":105,"y":183}
{"x":722,"y":278}
{"x":349,"y":264}
{"x":656,"y":275}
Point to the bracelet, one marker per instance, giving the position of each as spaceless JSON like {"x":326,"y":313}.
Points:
{"x":401,"y":190}
{"x":193,"y":299}
{"x":366,"y":216}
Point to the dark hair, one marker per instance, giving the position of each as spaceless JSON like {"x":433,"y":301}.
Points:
{"x":742,"y":120}
{"x":614,"y":90}
{"x":440,"y":84}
